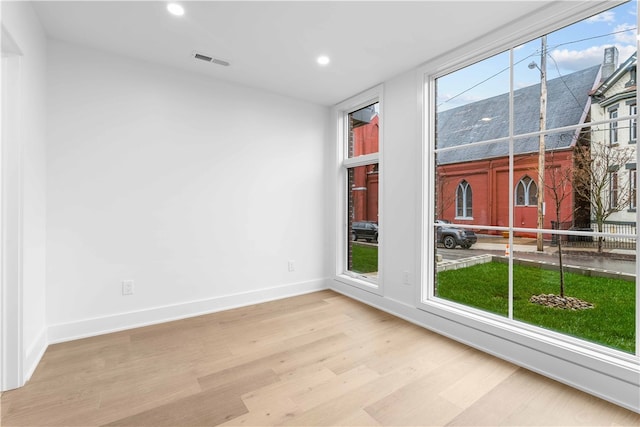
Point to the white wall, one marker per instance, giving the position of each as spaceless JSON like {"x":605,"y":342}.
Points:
{"x":198,"y":190}
{"x":21,"y":24}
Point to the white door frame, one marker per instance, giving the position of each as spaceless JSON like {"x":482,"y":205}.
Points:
{"x":11,"y":343}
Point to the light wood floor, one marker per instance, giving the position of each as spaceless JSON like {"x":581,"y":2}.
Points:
{"x":317,"y":359}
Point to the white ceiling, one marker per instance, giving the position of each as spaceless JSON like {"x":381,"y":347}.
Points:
{"x":274,"y":45}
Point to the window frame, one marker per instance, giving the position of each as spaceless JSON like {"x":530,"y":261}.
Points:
{"x":613,"y":126}
{"x":539,"y":349}
{"x":613,"y":189}
{"x":633,"y":176}
{"x":344,"y":163}
{"x":526,"y":192}
{"x":633,"y":123}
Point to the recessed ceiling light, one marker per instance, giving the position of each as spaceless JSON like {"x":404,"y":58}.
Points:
{"x":175,"y":9}
{"x":486,"y":119}
{"x":323,"y":60}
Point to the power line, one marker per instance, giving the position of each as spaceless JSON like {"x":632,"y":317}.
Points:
{"x":563,"y":81}
{"x":536,"y":53}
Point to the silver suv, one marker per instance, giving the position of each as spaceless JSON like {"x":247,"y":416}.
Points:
{"x":451,"y":236}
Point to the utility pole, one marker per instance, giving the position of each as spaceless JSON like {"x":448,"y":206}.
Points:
{"x":541,"y":145}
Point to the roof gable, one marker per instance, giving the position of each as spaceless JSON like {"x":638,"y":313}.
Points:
{"x":619,"y":73}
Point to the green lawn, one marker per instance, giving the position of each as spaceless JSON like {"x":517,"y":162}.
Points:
{"x":485,"y":286}
{"x":364,"y":259}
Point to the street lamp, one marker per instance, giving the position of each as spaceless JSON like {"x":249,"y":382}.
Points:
{"x":541,"y":144}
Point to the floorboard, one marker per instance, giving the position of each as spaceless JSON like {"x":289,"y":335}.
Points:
{"x":319,"y":359}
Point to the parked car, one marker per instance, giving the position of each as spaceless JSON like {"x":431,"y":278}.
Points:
{"x":451,"y":236}
{"x":364,"y":230}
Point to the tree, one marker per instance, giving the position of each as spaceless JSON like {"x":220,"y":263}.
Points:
{"x":559,"y":183}
{"x":446,"y":195}
{"x":596,"y":179}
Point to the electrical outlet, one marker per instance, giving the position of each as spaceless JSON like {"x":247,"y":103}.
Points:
{"x":127,"y":287}
{"x":405,"y":278}
{"x":292,"y":265}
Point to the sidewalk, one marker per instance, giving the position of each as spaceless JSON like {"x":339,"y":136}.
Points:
{"x":527,"y":244}
{"x":520,"y":244}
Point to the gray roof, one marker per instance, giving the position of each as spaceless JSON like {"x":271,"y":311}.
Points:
{"x":567,"y":104}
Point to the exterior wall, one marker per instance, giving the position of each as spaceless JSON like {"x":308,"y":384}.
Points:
{"x":364,"y":186}
{"x":489,"y":180}
{"x":600,"y":111}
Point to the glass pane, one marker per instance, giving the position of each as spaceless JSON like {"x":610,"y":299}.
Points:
{"x":577,"y":288}
{"x":472,"y":104}
{"x":473,"y":190}
{"x":363,"y":220}
{"x":478,"y":276}
{"x":555,"y":75}
{"x":363,"y":131}
{"x":612,"y":191}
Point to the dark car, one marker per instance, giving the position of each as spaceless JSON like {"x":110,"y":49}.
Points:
{"x":451,"y":236}
{"x":364,"y":230}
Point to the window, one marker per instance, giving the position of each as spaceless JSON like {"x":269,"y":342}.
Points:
{"x":483,"y":123}
{"x":633,"y":123}
{"x":613,"y":127}
{"x":526,"y":192}
{"x":360,"y":239}
{"x":464,"y":200}
{"x":632,"y":189}
{"x":613,"y":190}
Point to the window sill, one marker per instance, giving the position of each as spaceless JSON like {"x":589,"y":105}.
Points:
{"x":608,"y":373}
{"x":471,"y":316}
{"x":359,"y":281}
{"x":463,"y":218}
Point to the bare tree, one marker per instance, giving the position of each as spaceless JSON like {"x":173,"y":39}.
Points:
{"x":559,"y":184}
{"x":596,"y":166}
{"x":446,"y":195}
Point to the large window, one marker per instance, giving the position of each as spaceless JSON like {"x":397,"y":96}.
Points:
{"x":536,"y":130}
{"x":360,"y":239}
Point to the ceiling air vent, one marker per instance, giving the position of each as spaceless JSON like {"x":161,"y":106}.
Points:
{"x":207,"y":58}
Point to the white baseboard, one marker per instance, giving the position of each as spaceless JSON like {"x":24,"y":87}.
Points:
{"x":102,"y":325}
{"x":34,"y":354}
{"x":618,"y":383}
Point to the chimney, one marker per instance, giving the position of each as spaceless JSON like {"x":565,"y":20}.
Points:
{"x":610,"y":63}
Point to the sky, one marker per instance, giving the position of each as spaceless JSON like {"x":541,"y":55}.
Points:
{"x":570,"y":49}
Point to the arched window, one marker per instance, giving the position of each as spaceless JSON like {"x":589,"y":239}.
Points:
{"x":526,"y":192}
{"x":464,"y":200}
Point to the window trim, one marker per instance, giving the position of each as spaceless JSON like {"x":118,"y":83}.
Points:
{"x":343,"y":163}
{"x":538,"y":350}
